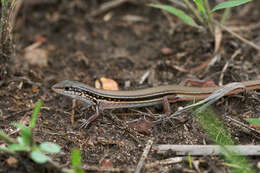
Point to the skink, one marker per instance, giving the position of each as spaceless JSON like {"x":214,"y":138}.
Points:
{"x":108,"y":99}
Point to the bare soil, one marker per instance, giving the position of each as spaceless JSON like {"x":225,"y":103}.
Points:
{"x":122,"y":44}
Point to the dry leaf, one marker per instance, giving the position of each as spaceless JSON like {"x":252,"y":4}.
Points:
{"x":36,"y":56}
{"x":255,"y":126}
{"x":181,"y":54}
{"x":107,"y":163}
{"x":108,"y":84}
{"x":201,"y":66}
{"x":98,"y":84}
{"x":35,"y":89}
{"x":166,"y":51}
{"x":108,"y":16}
{"x":133,"y":18}
{"x":40,"y":39}
{"x":11,"y":161}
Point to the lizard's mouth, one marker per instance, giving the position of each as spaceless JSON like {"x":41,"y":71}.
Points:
{"x":57,"y":88}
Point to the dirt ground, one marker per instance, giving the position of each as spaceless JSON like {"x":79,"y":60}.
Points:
{"x":70,"y":40}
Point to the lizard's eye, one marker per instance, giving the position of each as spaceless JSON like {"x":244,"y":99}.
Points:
{"x":66,"y":88}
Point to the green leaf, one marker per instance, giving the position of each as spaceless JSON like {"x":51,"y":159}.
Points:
{"x":18,"y":147}
{"x":50,"y":147}
{"x":20,"y":140}
{"x":254,"y":121}
{"x":200,"y":6}
{"x":229,"y":4}
{"x":36,"y":111}
{"x":39,"y":157}
{"x":25,"y":131}
{"x":179,"y":13}
{"x":76,"y":161}
{"x":20,"y":126}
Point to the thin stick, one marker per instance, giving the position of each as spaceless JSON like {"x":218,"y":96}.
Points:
{"x":172,"y":160}
{"x":237,"y":52}
{"x":6,"y":138}
{"x":144,"y":77}
{"x":107,"y":6}
{"x":205,"y":150}
{"x":72,"y":118}
{"x":144,"y":155}
{"x":245,"y":28}
{"x":242,"y":125}
{"x":238,"y":36}
{"x":108,"y":169}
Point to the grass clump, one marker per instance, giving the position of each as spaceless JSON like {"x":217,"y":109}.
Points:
{"x":25,"y":143}
{"x":201,"y":11}
{"x":219,"y":135}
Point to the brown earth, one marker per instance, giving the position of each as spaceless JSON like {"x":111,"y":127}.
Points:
{"x":123,"y":44}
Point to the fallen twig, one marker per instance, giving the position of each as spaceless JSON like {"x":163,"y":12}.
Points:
{"x":144,"y":155}
{"x":109,"y":169}
{"x":165,"y":162}
{"x":250,"y":43}
{"x":107,"y":6}
{"x":244,"y":127}
{"x":226,"y":66}
{"x":204,"y":150}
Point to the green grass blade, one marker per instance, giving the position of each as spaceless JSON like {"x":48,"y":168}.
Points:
{"x":200,"y":6}
{"x":254,"y":121}
{"x":214,"y":127}
{"x":218,"y":133}
{"x":36,"y":111}
{"x":26,"y":133}
{"x":179,"y":13}
{"x":76,"y":161}
{"x":229,"y":4}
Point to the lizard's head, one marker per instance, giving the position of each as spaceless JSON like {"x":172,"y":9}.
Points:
{"x":72,"y":89}
{"x":65,"y":87}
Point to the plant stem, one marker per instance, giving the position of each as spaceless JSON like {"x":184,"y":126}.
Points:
{"x":225,"y":16}
{"x":193,"y":10}
{"x":6,"y":138}
{"x":5,"y":150}
{"x":209,"y":19}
